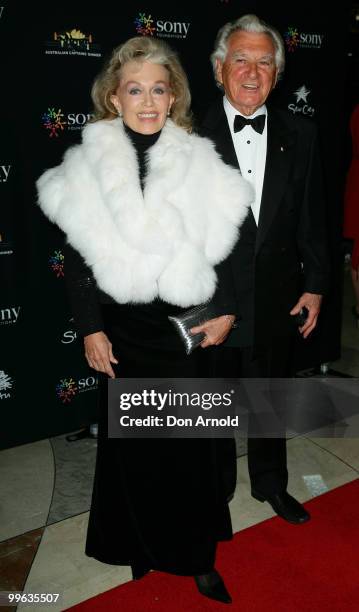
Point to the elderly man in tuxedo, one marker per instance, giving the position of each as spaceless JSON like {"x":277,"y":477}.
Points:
{"x":279,"y":264}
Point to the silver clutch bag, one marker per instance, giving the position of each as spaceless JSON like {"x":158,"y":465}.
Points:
{"x":191,"y":318}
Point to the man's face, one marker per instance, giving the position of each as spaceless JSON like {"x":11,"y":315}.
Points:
{"x":248,"y":73}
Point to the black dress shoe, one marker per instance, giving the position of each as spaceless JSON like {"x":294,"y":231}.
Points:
{"x":138,"y":572}
{"x":285,"y":506}
{"x":355,"y":314}
{"x":211,"y":585}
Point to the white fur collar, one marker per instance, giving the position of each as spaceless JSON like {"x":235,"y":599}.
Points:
{"x":162,"y":242}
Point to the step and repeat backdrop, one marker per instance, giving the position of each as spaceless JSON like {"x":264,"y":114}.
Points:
{"x":49,"y":57}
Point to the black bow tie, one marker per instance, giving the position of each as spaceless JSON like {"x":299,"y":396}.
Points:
{"x":257,"y":123}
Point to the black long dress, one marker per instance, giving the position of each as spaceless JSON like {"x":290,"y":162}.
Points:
{"x":157,"y":503}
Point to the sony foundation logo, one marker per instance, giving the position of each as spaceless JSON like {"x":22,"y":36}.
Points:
{"x":56,"y":121}
{"x":4,"y":173}
{"x":68,"y":388}
{"x":305,"y":40}
{"x":146,"y":25}
{"x":69,"y":336}
{"x":9,"y":315}
{"x":5,"y":246}
{"x":56,"y":263}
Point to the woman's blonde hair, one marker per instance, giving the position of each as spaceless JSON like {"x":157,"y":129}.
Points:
{"x":142,"y":48}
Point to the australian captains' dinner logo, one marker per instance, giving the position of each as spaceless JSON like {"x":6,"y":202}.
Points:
{"x":54,"y":121}
{"x":72,"y":42}
{"x":5,"y":385}
{"x":306,"y":40}
{"x":68,"y":388}
{"x":56,"y":262}
{"x":147,"y":25}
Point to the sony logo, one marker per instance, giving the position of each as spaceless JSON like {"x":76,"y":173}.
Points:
{"x":4,"y":173}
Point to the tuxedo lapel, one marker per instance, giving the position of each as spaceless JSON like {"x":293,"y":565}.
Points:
{"x":215,"y":127}
{"x":280,"y":141}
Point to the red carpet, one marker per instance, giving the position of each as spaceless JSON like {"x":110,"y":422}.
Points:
{"x":270,"y":567}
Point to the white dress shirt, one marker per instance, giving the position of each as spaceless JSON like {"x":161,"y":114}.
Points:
{"x":251,"y":151}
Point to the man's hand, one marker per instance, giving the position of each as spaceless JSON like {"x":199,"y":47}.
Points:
{"x":215,"y":330}
{"x":98,"y":352}
{"x":312,"y":301}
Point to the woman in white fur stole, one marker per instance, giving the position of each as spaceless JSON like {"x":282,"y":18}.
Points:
{"x":150,"y":213}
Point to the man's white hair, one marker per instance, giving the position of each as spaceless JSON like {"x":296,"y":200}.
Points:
{"x":247,"y":23}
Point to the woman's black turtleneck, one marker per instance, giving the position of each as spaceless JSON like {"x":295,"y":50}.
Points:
{"x":141,"y":142}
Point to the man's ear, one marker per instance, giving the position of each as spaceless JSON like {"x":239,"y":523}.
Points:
{"x":276,"y":78}
{"x":219,"y":67}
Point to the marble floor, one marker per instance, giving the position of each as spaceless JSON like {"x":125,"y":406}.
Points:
{"x":46,"y":487}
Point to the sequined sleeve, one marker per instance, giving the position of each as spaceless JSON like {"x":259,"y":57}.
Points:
{"x":82,"y":292}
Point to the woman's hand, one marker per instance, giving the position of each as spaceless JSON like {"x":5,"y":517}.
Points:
{"x":215,"y":330}
{"x":98,"y":352}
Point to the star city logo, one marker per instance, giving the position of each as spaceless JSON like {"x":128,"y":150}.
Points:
{"x":66,"y":390}
{"x":162,"y":28}
{"x":301,"y":104}
{"x":56,"y":262}
{"x":305,"y":40}
{"x":5,"y":385}
{"x":302,"y":94}
{"x":72,"y":42}
{"x":53,"y":121}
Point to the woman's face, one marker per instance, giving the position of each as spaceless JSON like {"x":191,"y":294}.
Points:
{"x":143,"y":96}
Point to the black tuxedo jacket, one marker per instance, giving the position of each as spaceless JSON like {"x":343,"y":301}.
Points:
{"x":272,"y":264}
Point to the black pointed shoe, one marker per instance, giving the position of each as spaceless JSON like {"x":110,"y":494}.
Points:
{"x":286,"y":506}
{"x":211,"y":585}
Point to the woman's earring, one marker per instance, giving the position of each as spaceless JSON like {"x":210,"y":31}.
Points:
{"x":119,"y":113}
{"x":169,"y":112}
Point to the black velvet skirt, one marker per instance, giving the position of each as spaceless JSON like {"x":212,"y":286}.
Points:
{"x":157,"y":503}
